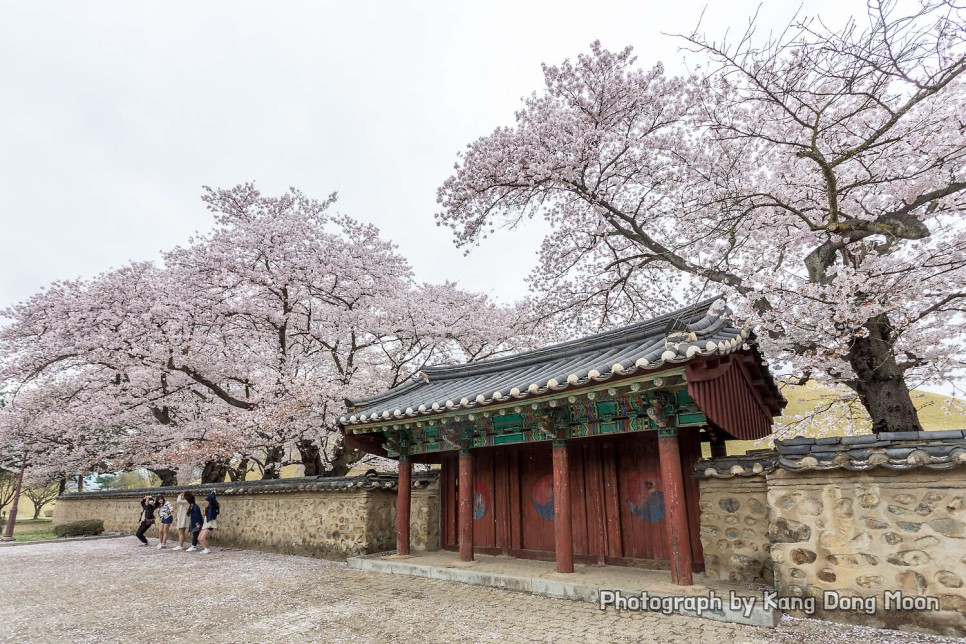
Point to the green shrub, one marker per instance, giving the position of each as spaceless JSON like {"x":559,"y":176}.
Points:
{"x":49,"y":513}
{"x":87,"y":527}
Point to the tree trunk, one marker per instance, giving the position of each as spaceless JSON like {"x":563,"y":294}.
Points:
{"x":214,"y":472}
{"x":343,"y":460}
{"x":238,"y":473}
{"x":311,"y":457}
{"x":169,"y":478}
{"x":880,"y":382}
{"x":62,"y":487}
{"x":80,"y":482}
{"x":37,"y":511}
{"x":273,"y":463}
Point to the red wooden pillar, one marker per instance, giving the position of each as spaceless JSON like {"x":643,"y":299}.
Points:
{"x":562,"y":522}
{"x":465,"y":507}
{"x":404,"y":497}
{"x":676,"y":513}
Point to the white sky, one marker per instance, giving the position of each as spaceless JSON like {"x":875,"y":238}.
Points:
{"x":113,"y":114}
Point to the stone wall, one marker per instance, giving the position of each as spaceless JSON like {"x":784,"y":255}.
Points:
{"x":858,"y":517}
{"x":424,"y":521}
{"x":734,"y":528}
{"x":327,"y":518}
{"x":863,"y":534}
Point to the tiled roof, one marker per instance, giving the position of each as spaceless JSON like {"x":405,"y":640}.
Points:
{"x":371,"y":481}
{"x":891,"y":450}
{"x":662,"y":342}
{"x":938,"y":450}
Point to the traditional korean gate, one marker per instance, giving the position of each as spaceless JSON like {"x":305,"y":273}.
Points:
{"x":616,"y":494}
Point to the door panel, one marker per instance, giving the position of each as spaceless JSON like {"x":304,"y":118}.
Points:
{"x":536,"y":498}
{"x":641,"y":498}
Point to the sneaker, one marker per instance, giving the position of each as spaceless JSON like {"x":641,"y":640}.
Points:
{"x":159,"y":546}
{"x":142,"y":545}
{"x":206,"y":551}
{"x":177,"y":548}
{"x":191,"y":549}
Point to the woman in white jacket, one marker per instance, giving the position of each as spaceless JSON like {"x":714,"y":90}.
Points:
{"x":181,"y":520}
{"x":164,"y":514}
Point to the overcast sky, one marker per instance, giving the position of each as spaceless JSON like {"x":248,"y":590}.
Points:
{"x":114,"y":114}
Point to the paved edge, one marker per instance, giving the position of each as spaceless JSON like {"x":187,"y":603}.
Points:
{"x":554,"y":588}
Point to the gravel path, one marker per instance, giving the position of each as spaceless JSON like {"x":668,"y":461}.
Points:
{"x":110,"y":590}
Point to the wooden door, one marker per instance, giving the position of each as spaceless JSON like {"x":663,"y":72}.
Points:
{"x":640,"y":498}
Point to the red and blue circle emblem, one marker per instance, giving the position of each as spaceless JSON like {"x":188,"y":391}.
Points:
{"x":542,"y":497}
{"x":481,"y":500}
{"x":643,"y":500}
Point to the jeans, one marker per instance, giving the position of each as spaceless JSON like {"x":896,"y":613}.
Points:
{"x":145,"y":525}
{"x":194,"y":538}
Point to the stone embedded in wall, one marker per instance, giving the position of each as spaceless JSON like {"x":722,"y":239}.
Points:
{"x":911,"y":582}
{"x":784,"y":530}
{"x":811,"y":506}
{"x":949,"y":527}
{"x":869,"y":581}
{"x":842,"y":508}
{"x":802,"y":556}
{"x":949,"y":579}
{"x":908,"y":558}
{"x":875,"y":524}
{"x":755,"y":506}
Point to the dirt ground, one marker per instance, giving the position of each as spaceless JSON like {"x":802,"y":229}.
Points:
{"x":110,"y":590}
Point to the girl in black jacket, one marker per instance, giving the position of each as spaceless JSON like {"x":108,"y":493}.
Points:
{"x":195,"y":520}
{"x":147,"y":520}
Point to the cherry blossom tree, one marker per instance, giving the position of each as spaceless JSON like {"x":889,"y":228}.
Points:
{"x":241,"y":349}
{"x":816,"y":178}
{"x":315,"y":308}
{"x":95,"y":353}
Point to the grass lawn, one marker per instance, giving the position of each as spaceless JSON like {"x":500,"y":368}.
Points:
{"x":34,"y":530}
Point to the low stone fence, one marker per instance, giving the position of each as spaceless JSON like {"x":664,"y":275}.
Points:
{"x":331,"y":518}
{"x":874,"y":521}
